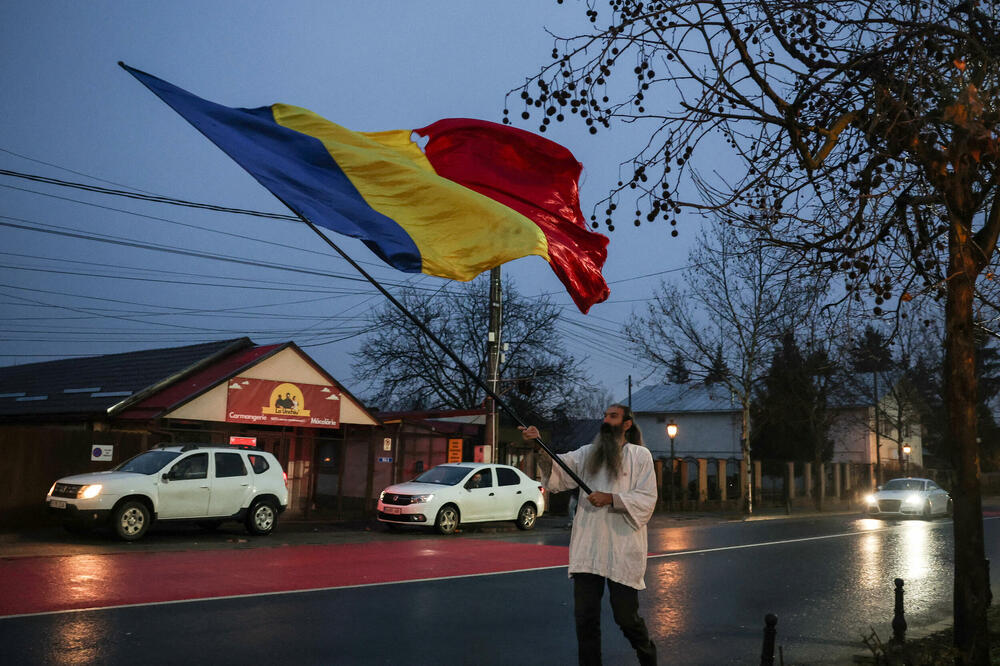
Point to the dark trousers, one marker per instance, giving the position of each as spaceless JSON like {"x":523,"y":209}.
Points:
{"x":587,"y":592}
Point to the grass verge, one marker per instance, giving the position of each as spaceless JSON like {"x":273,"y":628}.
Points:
{"x":932,"y":650}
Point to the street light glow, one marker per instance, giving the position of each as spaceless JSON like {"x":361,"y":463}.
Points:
{"x":671,"y":430}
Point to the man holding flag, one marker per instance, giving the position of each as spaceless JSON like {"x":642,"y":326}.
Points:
{"x":608,"y":543}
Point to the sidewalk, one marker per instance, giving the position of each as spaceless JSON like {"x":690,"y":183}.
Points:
{"x":324,"y":528}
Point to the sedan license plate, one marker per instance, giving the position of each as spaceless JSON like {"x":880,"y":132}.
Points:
{"x":393,"y":509}
{"x":57,"y":504}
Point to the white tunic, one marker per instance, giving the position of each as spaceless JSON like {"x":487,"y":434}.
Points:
{"x":610,"y":541}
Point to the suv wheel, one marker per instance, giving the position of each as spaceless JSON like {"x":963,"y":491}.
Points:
{"x":131,"y":520}
{"x":262,"y":518}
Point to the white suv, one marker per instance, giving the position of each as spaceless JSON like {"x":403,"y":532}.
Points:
{"x":191,"y":482}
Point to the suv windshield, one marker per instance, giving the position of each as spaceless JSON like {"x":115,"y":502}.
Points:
{"x":903,"y":484}
{"x":444,"y":476}
{"x":149,"y":462}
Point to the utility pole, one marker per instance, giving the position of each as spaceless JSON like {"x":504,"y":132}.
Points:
{"x":630,"y":392}
{"x":493,"y":364}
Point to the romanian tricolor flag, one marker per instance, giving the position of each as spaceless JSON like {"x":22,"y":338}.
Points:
{"x":451,"y":199}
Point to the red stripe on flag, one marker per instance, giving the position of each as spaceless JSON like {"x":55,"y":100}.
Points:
{"x":537,"y":178}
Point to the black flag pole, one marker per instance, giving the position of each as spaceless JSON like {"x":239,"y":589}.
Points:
{"x":392,"y":299}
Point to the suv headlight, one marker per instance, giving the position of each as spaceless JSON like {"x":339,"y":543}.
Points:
{"x":381,"y":496}
{"x":89,"y":491}
{"x":417,"y":499}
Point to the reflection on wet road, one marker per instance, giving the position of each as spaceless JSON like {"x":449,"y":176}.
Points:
{"x":829,"y":580}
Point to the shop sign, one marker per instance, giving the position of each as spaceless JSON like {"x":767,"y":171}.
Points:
{"x":269,"y":402}
{"x":455,"y":450}
{"x":242,"y":441}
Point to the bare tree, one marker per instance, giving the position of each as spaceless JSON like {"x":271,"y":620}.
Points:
{"x":721,"y":323}
{"x":405,"y":370}
{"x":862,"y":134}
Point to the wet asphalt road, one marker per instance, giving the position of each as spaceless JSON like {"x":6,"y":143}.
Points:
{"x":828,"y":579}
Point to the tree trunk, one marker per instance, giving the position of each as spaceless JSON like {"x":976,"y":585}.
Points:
{"x":971,"y":635}
{"x":817,"y":472}
{"x":745,"y":445}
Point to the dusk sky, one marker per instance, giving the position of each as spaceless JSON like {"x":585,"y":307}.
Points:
{"x":70,"y":287}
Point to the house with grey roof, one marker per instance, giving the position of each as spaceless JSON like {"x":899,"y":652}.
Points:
{"x":707,"y":419}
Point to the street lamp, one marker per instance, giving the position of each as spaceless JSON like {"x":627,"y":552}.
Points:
{"x":671,"y":433}
{"x":906,"y":452}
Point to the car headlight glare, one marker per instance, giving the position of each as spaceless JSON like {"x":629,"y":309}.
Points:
{"x":53,"y":488}
{"x":381,"y":496}
{"x":913,"y":499}
{"x":417,"y":499}
{"x":90,"y":491}
{"x":871,"y":499}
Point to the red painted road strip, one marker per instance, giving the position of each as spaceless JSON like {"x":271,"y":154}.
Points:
{"x":48,"y":584}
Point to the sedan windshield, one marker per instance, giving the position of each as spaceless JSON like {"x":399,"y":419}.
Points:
{"x":149,"y":462}
{"x":904,"y":484}
{"x":444,"y":476}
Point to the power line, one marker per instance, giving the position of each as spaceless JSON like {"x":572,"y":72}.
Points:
{"x":145,"y":197}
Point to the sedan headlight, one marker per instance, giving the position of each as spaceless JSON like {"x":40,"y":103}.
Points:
{"x":871,"y":499}
{"x":913,"y":499}
{"x":417,"y":499}
{"x":53,"y":488}
{"x":89,"y":492}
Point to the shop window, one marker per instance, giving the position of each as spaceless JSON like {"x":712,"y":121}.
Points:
{"x":328,"y":456}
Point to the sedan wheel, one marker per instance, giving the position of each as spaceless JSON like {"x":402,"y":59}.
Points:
{"x":131,"y":520}
{"x":447,"y":519}
{"x":526,"y":516}
{"x":262,"y":518}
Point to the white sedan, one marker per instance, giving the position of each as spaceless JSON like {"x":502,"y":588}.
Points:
{"x":448,"y":495}
{"x":909,"y":497}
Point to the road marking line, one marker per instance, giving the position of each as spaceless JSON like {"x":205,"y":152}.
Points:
{"x":783,"y":541}
{"x":765,"y":543}
{"x":277,"y":592}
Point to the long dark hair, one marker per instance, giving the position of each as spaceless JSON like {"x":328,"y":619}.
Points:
{"x":633,"y":435}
